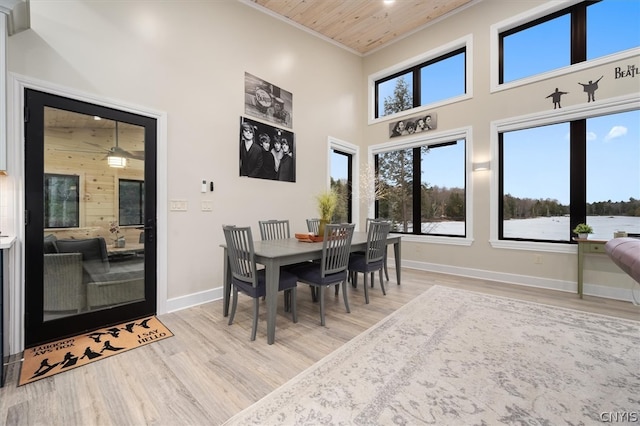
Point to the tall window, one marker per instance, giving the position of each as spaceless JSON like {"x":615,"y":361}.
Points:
{"x":131,"y":202}
{"x":556,"y":176}
{"x":61,"y":202}
{"x":582,"y":32}
{"x":341,"y":182}
{"x":423,"y":189}
{"x":428,"y":82}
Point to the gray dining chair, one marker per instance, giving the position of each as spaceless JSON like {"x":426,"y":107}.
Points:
{"x":247,"y":278}
{"x":333,"y":266}
{"x":313,"y":225}
{"x":372,"y":259}
{"x":386,"y":269}
{"x":277,"y":229}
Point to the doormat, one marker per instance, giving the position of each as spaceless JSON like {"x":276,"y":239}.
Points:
{"x":73,"y":352}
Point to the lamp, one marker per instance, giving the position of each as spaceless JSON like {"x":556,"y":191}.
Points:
{"x":485,"y":165}
{"x":116,"y":161}
{"x":113,"y":159}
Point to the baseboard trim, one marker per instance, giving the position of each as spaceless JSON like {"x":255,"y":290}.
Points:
{"x":615,"y":293}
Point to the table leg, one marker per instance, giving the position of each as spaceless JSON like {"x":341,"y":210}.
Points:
{"x":226,"y":284}
{"x":397,"y":252}
{"x":272,"y":280}
{"x":580,"y":268}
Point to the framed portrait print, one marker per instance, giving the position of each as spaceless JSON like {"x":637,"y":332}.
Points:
{"x":266,"y":152}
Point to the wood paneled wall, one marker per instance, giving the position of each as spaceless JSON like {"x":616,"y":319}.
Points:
{"x":77,"y":152}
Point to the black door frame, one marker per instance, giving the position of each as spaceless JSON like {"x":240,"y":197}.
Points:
{"x":38,"y":331}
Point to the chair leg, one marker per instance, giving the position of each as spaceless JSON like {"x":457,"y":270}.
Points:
{"x":366,"y":289}
{"x":384,"y":262}
{"x":292,"y":303}
{"x":338,"y":288}
{"x":321,"y":297}
{"x":345,"y":297}
{"x":354,"y":279}
{"x":234,"y":305}
{"x":256,"y":306}
{"x":314,"y":294}
{"x":382,"y":283}
{"x":372,"y":281}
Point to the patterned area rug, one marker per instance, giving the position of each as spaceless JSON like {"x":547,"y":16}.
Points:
{"x":453,"y":357}
{"x":66,"y":354}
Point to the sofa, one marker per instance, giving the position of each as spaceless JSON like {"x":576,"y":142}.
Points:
{"x":79,"y":276}
{"x":625,"y":252}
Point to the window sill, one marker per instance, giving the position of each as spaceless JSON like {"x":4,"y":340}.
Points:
{"x":535,"y":246}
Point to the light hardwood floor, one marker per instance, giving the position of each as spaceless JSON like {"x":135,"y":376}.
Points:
{"x":210,"y":371}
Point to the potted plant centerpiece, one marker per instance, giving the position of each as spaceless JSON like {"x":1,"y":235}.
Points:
{"x":327,"y":203}
{"x":583,"y":230}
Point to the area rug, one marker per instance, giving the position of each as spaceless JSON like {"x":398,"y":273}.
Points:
{"x":73,"y":352}
{"x":454,"y":357}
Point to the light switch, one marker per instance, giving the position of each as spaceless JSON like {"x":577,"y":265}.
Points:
{"x":178,"y":205}
{"x":207,"y":206}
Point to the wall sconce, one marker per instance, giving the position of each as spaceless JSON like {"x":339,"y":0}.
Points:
{"x":485,"y":165}
{"x":117,"y":162}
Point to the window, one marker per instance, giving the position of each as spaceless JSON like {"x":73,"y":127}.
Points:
{"x":423,"y":188}
{"x":61,"y":202}
{"x":572,"y":35}
{"x":555,"y":176}
{"x":431,"y":80}
{"x":131,"y":202}
{"x":341,"y":182}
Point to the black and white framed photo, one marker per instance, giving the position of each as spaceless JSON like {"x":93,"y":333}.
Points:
{"x":416,"y":124}
{"x":267,"y":101}
{"x":266,"y":152}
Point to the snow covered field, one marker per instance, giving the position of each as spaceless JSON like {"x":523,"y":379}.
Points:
{"x":548,"y":228}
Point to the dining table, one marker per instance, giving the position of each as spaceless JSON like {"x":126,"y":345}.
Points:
{"x":274,"y":254}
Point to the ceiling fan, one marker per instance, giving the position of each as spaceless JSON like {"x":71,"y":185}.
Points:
{"x":116,"y":151}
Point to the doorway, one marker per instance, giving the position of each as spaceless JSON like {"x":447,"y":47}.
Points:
{"x":90,"y":231}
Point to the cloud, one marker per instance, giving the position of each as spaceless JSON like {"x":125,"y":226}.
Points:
{"x":615,"y":132}
{"x":591,"y":136}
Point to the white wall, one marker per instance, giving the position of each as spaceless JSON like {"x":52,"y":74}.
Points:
{"x":187,"y":60}
{"x":558,"y":269}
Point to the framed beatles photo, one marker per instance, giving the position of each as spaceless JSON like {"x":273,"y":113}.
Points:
{"x":417,"y":124}
{"x":267,"y":101}
{"x":266,"y":152}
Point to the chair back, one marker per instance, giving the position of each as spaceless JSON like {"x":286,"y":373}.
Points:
{"x":377,"y":241}
{"x":313,"y":225}
{"x":241,"y":254}
{"x":336,"y":247}
{"x":274,"y":229}
{"x":377,"y":219}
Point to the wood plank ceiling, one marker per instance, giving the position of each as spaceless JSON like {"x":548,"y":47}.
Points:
{"x":361,"y":25}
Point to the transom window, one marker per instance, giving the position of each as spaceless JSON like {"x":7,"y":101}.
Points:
{"x":572,"y":35}
{"x":434,"y":78}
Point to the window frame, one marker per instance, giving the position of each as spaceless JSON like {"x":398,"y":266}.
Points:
{"x":140,"y":207}
{"x":47,"y":201}
{"x":586,"y":111}
{"x":435,"y":139}
{"x":416,"y":64}
{"x":539,"y":14}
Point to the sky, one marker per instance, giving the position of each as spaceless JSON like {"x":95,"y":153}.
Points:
{"x":613,"y":147}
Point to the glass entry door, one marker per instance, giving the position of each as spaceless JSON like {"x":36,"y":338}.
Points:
{"x":90,"y":232}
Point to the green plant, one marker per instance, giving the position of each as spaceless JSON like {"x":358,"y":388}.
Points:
{"x":327,"y":203}
{"x":583,"y":228}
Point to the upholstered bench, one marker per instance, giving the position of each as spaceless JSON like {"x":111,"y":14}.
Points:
{"x":625,"y":252}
